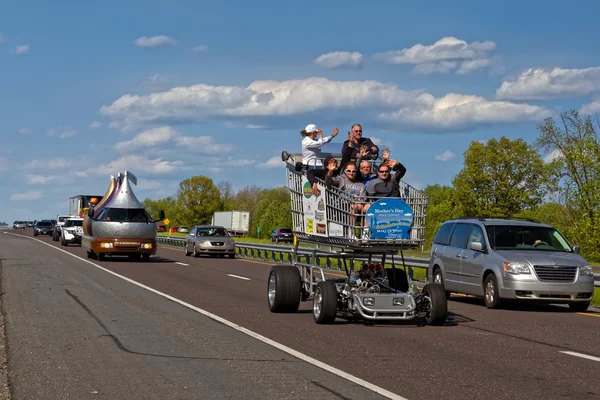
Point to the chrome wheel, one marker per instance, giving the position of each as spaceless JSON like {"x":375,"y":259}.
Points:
{"x":437,"y":277}
{"x":490,"y":291}
{"x":272,"y":288}
{"x":318,"y":302}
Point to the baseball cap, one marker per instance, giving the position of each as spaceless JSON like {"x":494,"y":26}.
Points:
{"x":310,"y":128}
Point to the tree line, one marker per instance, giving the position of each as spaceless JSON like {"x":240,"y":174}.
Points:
{"x":555,"y":180}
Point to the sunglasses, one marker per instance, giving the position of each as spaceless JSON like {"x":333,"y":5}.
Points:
{"x":385,"y":171}
{"x":351,"y":171}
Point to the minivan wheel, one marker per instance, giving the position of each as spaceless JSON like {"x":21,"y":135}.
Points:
{"x":437,"y":278}
{"x":490,"y":291}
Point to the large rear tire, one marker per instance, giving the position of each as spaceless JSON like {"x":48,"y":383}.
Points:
{"x":325,"y":303}
{"x":438,"y":312}
{"x":283,"y":289}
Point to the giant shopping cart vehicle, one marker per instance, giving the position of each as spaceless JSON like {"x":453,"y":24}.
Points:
{"x":331,"y":217}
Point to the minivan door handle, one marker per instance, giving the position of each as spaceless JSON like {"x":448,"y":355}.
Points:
{"x":458,"y":255}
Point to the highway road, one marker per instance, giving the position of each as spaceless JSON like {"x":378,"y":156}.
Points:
{"x":73,"y":327}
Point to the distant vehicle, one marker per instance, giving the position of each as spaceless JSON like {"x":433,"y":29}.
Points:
{"x":60,"y":220}
{"x":44,"y":227}
{"x":235,"y":222}
{"x":162,"y":228}
{"x":71,"y":231}
{"x":174,"y":229}
{"x":19,"y":225}
{"x":183,"y":229}
{"x":208,"y":239}
{"x":78,"y":205}
{"x":282,"y":235}
{"x":510,"y":259}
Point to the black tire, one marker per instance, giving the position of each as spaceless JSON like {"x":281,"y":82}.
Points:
{"x":439,"y":304}
{"x":283,"y":289}
{"x":325,"y":303}
{"x":146,"y":257}
{"x":438,"y":278}
{"x":100,"y":257}
{"x":187,"y":253}
{"x":490,"y":291}
{"x":231,"y":255}
{"x":579,"y":306}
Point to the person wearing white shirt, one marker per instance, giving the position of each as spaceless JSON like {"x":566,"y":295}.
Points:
{"x":311,"y":146}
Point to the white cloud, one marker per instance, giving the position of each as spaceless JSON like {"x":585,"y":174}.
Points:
{"x":553,"y":155}
{"x":28,"y":195}
{"x":251,"y":126}
{"x":200,"y":48}
{"x":52,"y":163}
{"x":371,"y":101}
{"x":203,"y":144}
{"x":591,"y":108}
{"x":62,"y":132}
{"x":39,"y":179}
{"x":445,"y":55}
{"x":375,"y":140}
{"x":135,"y":163}
{"x":149,"y":184}
{"x":149,"y":138}
{"x":25,"y":131}
{"x":95,"y":124}
{"x":154,"y":41}
{"x":273,"y":162}
{"x":458,"y":111}
{"x":164,"y":134}
{"x":445,"y":156}
{"x":22,"y":49}
{"x":157,"y":83}
{"x":338,"y":59}
{"x":555,"y":83}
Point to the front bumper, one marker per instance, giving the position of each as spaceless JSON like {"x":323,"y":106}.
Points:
{"x":42,"y":232}
{"x":122,"y":246}
{"x":530,"y":288}
{"x":71,"y":237}
{"x":215,"y":248}
{"x":383,"y":308}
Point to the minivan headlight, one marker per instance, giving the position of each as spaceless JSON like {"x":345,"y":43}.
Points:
{"x":516,"y":268}
{"x":586,"y":270}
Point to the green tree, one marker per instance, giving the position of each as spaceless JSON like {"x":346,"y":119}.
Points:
{"x":500,"y":178}
{"x":197,"y":200}
{"x":227,"y":196}
{"x":441,"y":206}
{"x":574,"y":151}
{"x":275,"y":215}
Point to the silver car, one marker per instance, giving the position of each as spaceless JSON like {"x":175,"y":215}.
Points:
{"x":209,"y":239}
{"x":510,"y":259}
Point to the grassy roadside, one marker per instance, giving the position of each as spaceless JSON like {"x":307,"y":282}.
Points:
{"x":596,"y":298}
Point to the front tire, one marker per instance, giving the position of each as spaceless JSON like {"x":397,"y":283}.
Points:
{"x":579,"y":307}
{"x":325,"y":303}
{"x":439,"y":279}
{"x":438,"y":312}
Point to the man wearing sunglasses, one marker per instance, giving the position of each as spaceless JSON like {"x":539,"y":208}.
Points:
{"x":384,"y":185}
{"x":361,"y":146}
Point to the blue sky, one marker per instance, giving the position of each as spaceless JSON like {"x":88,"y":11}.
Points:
{"x":169,"y":90}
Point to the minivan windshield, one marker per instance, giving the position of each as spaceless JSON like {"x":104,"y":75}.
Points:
{"x":523,"y":237}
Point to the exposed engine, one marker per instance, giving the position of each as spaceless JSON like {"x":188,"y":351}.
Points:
{"x":366,"y":279}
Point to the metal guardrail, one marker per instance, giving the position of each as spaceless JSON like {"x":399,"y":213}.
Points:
{"x":327,"y":258}
{"x":283,"y":254}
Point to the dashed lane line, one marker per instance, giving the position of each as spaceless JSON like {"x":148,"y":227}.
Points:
{"x":581,"y":355}
{"x":239,"y":277}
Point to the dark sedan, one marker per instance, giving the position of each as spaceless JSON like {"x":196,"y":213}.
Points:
{"x":43,"y":228}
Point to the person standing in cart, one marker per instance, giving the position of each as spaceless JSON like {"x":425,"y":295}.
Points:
{"x":361,"y":146}
{"x":311,"y":146}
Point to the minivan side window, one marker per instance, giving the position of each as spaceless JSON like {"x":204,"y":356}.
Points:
{"x":443,"y":234}
{"x":477,"y":236}
{"x":460,"y":236}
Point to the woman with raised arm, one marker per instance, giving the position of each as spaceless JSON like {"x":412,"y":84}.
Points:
{"x":311,"y":146}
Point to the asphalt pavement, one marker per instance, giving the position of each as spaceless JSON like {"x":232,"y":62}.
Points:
{"x":520,"y":351}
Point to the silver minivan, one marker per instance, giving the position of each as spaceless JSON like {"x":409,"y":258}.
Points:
{"x":510,"y":259}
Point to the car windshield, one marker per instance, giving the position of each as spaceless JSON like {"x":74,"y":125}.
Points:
{"x":74,"y":222}
{"x":41,"y":224}
{"x":125,"y":215}
{"x":523,"y":237}
{"x":285,"y":230}
{"x":63,"y":219}
{"x":211,"y":232}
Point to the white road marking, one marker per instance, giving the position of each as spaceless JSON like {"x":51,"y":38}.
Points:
{"x":573,"y":353}
{"x":355,"y":380}
{"x":180,"y":263}
{"x":239,"y":277}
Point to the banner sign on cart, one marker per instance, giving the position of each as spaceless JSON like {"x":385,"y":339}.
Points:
{"x":315,"y":209}
{"x":390,"y":218}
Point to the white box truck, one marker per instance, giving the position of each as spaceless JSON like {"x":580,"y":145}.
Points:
{"x":236,"y":222}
